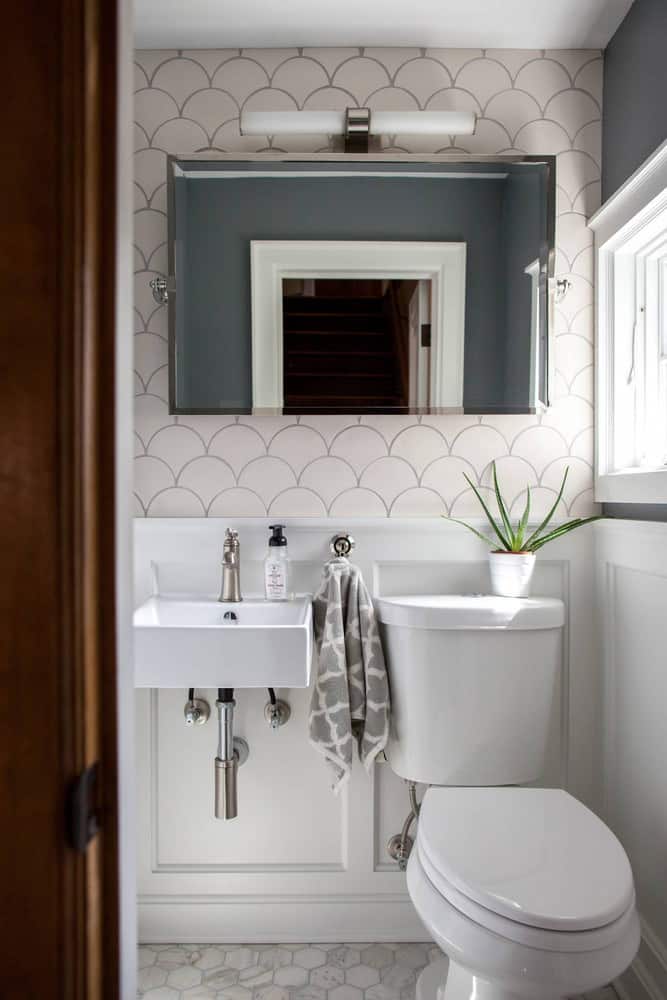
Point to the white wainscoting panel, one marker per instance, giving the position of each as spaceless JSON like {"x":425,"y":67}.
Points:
{"x":271,"y":794}
{"x":632,"y":584}
{"x":298,"y":863}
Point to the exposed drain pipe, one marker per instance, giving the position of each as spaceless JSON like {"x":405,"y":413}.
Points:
{"x":232,"y":752}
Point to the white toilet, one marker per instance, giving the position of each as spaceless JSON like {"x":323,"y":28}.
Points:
{"x":526,"y":891}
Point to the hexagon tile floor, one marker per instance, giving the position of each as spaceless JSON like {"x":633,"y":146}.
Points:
{"x":287,"y":972}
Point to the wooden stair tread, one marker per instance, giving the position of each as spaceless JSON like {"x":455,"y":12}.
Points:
{"x":344,"y":395}
{"x":323,"y":353}
{"x":322,"y":313}
{"x":339,"y":333}
{"x":297,"y":303}
{"x":312,"y":374}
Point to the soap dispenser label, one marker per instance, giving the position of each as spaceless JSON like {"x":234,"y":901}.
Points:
{"x":276,"y":585}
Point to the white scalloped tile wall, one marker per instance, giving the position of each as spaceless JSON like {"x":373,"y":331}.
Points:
{"x":340,"y":466}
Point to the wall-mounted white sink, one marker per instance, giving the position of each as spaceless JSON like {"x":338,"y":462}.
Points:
{"x":186,"y":641}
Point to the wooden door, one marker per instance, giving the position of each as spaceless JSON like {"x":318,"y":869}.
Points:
{"x":57,"y":657}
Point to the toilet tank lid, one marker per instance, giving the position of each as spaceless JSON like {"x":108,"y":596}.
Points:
{"x":470,"y":611}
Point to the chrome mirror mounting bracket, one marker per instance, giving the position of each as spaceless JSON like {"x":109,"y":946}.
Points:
{"x":563,"y":286}
{"x":162,"y":288}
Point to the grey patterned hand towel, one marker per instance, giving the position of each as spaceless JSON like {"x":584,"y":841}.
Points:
{"x":350,"y":701}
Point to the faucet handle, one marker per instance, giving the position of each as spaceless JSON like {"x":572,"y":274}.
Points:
{"x":231,"y":542}
{"x":231,"y":563}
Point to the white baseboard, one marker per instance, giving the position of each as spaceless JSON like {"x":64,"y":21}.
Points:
{"x":646,"y":979}
{"x":294,"y":921}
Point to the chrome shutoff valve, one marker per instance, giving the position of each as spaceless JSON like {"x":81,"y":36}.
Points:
{"x":398,"y":849}
{"x":277,"y":713}
{"x":196,"y":712}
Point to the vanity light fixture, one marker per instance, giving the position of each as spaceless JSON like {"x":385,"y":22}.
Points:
{"x":357,"y":124}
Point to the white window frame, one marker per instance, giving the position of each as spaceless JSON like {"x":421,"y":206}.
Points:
{"x":631,"y":338}
{"x":443,"y":264}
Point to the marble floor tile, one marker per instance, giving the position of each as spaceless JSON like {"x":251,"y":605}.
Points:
{"x":288,"y":972}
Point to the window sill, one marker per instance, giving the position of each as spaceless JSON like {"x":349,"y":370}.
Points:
{"x":632,"y":486}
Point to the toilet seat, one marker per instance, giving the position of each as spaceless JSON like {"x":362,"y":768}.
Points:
{"x":494,"y":965}
{"x":530,"y":863}
{"x":511,"y":930}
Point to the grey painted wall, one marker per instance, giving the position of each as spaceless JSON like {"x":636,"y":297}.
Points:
{"x":213,"y":338}
{"x":524,"y":240}
{"x":636,"y":511}
{"x":634,"y":114}
{"x":634,"y":124}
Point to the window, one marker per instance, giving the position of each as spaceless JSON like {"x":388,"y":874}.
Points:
{"x":631,"y":406}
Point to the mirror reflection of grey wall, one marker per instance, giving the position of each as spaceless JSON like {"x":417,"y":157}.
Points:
{"x":523,"y":240}
{"x":218,"y":207}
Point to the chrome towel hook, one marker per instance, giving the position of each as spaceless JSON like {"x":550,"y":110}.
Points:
{"x":342,"y":545}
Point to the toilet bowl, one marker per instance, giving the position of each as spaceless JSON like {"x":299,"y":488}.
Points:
{"x":527,"y":892}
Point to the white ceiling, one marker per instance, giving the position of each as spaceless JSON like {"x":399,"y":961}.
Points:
{"x":526,"y":24}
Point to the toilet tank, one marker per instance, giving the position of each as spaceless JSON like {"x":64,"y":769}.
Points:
{"x":474,"y":686}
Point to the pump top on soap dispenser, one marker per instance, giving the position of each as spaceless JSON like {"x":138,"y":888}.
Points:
{"x":276,"y":566}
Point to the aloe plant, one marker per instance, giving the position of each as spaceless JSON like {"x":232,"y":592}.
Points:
{"x":517,"y":539}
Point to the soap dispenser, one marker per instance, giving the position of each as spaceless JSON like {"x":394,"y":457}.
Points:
{"x":276,"y":566}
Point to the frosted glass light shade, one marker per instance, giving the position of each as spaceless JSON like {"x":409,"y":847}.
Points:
{"x":333,"y":122}
{"x":423,"y":122}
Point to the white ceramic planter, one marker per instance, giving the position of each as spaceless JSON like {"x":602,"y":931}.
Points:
{"x":511,"y":573}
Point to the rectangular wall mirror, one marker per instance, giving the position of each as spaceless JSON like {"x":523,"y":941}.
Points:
{"x":337,"y":284}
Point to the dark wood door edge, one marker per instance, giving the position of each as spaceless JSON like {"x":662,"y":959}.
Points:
{"x":57,"y":644}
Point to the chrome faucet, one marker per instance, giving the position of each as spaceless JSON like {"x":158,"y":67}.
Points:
{"x":231,"y":567}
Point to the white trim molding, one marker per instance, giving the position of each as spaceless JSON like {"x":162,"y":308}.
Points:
{"x":647,"y":182}
{"x":628,"y":228}
{"x":631,"y":582}
{"x":646,"y":979}
{"x":443,"y":264}
{"x":265,"y":919}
